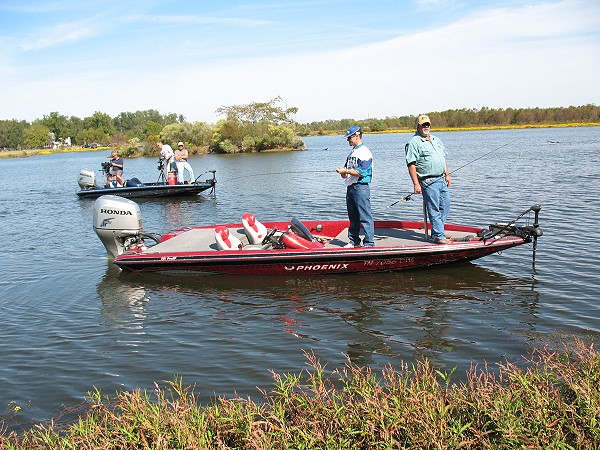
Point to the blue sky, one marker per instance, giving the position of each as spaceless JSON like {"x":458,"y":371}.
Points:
{"x":331,"y":59}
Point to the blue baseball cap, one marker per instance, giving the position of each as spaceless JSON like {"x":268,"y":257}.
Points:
{"x":352,"y":131}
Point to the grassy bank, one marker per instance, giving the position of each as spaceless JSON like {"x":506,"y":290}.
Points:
{"x":551,"y":400}
{"x":202,"y":150}
{"x":46,"y":151}
{"x":129,"y":153}
{"x":483,"y":128}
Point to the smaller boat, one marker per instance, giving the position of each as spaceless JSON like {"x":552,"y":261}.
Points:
{"x":165,"y":186}
{"x":292,"y":247}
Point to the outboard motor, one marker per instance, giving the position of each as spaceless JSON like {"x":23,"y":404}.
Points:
{"x":86,"y":179}
{"x":118,"y":224}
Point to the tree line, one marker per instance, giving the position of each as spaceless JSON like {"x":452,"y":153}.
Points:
{"x":257,"y":126}
{"x":467,"y":118}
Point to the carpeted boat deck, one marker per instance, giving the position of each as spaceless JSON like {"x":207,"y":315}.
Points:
{"x":204,"y":239}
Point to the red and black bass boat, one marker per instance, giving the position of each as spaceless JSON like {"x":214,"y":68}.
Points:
{"x":294,"y":247}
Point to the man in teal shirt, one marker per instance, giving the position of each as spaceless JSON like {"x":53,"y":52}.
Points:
{"x":428,"y":170}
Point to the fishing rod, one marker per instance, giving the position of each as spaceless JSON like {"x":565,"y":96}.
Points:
{"x":408,"y":197}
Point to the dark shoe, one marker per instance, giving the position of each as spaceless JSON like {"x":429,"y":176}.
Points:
{"x":442,"y":241}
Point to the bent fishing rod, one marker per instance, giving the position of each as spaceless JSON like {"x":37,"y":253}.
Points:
{"x":408,"y":197}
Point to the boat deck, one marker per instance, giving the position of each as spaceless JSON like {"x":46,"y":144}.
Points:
{"x":203,"y":239}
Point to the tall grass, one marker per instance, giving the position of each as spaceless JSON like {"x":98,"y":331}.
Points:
{"x":550,"y":400}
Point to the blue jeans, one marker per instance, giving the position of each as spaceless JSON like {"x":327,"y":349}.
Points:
{"x":437,"y":200}
{"x":358,"y":202}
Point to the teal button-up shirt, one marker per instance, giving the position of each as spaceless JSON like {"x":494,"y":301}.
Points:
{"x":429,"y":157}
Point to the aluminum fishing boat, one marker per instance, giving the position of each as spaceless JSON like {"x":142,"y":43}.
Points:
{"x":293,"y":247}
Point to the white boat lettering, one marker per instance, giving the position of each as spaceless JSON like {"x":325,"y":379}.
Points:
{"x":116,"y":211}
{"x":389,"y":262}
{"x":318,"y":267}
{"x":168,"y":258}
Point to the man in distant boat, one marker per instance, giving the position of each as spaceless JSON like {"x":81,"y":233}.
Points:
{"x":166,"y":154}
{"x":181,"y":157}
{"x":428,"y":170}
{"x":357,"y":173}
{"x":116,"y":170}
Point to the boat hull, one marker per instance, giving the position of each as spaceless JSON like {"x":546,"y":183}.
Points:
{"x":331,"y":259}
{"x":152,"y":190}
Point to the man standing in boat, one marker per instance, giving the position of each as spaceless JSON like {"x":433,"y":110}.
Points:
{"x":357,"y":174}
{"x":181,"y":157}
{"x":428,"y":170}
{"x":166,"y":154}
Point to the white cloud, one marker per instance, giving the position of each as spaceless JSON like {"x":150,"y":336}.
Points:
{"x":539,"y":55}
{"x":199,"y":20}
{"x":59,"y":34}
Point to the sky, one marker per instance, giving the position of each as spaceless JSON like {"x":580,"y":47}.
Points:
{"x":331,"y":59}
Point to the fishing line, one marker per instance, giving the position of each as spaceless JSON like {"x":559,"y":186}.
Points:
{"x":279,"y":173}
{"x":408,"y":197}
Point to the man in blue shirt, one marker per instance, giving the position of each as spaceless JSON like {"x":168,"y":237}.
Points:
{"x":428,"y":170}
{"x":116,"y":170}
{"x":357,"y":173}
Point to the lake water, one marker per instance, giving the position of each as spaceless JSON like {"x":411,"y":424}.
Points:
{"x":72,"y":321}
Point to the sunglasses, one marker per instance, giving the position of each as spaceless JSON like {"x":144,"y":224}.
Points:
{"x":426,"y":124}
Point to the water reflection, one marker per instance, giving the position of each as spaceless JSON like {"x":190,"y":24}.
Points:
{"x":372,"y":318}
{"x":123,"y":304}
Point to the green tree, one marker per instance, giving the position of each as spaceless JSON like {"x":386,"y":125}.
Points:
{"x":37,"y":135}
{"x":90,"y":135}
{"x":175,"y":132}
{"x":12,"y":133}
{"x":259,"y":112}
{"x":100,"y":121}
{"x":201,"y":134}
{"x":57,"y":124}
{"x":75,"y":126}
{"x":255,"y":127}
{"x":228,"y":136}
{"x":152,"y":130}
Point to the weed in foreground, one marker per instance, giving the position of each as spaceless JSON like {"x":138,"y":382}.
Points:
{"x":552,"y":402}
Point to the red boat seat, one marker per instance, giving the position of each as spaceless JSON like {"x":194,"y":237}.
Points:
{"x":255,"y":230}
{"x":225,"y":240}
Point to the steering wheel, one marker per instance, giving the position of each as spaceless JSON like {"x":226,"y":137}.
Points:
{"x":269,"y":236}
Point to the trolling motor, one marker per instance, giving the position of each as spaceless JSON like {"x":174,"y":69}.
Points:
{"x":528,"y":233}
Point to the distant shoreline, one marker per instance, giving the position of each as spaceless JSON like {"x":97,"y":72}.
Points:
{"x":76,"y":149}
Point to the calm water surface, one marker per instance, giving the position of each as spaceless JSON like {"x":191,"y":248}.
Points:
{"x":72,"y":321}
